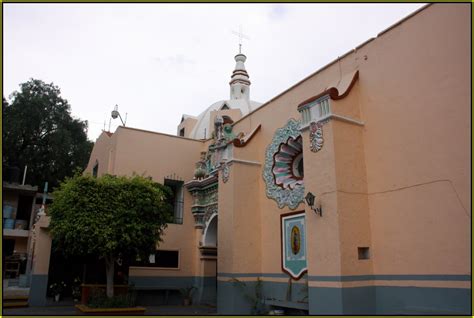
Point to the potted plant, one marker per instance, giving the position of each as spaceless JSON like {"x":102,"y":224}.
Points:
{"x":187,"y":293}
{"x":76,"y":289}
{"x":57,"y":289}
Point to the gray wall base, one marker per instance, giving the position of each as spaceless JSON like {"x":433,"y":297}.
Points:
{"x":38,"y":289}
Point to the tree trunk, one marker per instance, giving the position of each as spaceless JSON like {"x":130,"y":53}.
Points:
{"x":109,"y":268}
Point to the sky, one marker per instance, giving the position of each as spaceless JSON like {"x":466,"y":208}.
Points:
{"x":160,"y":61}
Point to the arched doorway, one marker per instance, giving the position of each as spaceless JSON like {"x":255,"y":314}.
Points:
{"x":208,"y":249}
{"x":210,"y":234}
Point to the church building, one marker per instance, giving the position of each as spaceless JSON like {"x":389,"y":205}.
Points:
{"x":348,"y":193}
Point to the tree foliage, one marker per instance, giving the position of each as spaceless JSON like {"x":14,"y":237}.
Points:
{"x":110,"y":217}
{"x":38,"y":131}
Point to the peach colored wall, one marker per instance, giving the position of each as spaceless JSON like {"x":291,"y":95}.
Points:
{"x":100,"y":153}
{"x":399,"y":184}
{"x":413,"y":94}
{"x":42,"y":247}
{"x":418,"y":107}
{"x":352,"y":199}
{"x":271,"y":117}
{"x":246,"y":219}
{"x":349,"y":106}
{"x":225,"y":225}
{"x":239,"y":224}
{"x":159,"y":156}
{"x":323,"y":233}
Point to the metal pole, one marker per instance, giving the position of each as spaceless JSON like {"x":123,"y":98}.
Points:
{"x":45,"y":191}
{"x":24,"y":175}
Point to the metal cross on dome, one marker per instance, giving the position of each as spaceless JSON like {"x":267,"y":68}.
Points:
{"x":241,"y":36}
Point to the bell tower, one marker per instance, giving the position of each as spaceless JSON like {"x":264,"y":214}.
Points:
{"x":240,"y":83}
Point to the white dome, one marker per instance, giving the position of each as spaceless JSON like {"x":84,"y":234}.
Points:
{"x":201,"y":129}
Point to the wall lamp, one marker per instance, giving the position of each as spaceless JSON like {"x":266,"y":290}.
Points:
{"x":310,"y":200}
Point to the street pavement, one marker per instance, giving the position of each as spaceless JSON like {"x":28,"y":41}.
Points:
{"x":71,"y":311}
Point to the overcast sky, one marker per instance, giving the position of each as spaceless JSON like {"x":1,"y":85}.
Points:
{"x":159,"y":61}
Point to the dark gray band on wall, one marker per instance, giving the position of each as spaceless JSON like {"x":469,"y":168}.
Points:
{"x":353,"y":278}
{"x":149,"y":286}
{"x":250,"y":275}
{"x":389,"y":300}
{"x":162,"y":281}
{"x":38,"y":289}
{"x":364,"y":300}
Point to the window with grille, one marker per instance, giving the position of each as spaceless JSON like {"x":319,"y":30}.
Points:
{"x":176,"y":199}
{"x":161,"y":258}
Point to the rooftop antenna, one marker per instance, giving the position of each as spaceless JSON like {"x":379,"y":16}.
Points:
{"x":115,"y":114}
{"x":241,"y":36}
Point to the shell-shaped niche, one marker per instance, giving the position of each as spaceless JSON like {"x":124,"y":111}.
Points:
{"x":288,"y":164}
{"x":283,"y":168}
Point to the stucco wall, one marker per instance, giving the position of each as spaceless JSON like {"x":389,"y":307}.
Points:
{"x":188,"y":125}
{"x":159,"y":156}
{"x":398,"y":184}
{"x":101,"y":154}
{"x":162,"y":156}
{"x":413,"y":92}
{"x":402,"y":180}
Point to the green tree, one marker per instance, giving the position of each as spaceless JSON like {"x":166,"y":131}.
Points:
{"x":38,"y":131}
{"x":109,"y":217}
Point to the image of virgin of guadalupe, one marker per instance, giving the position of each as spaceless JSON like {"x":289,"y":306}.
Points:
{"x":295,"y":240}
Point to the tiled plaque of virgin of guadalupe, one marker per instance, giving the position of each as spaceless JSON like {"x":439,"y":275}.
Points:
{"x":293,"y":244}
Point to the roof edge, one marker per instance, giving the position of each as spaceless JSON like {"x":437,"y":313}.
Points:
{"x":335,"y":61}
{"x":333,"y":92}
{"x":158,"y":133}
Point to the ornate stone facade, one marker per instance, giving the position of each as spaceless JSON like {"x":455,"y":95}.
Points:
{"x":316,"y":136}
{"x":283,"y":179}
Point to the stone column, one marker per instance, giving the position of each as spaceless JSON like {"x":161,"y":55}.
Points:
{"x":41,"y":256}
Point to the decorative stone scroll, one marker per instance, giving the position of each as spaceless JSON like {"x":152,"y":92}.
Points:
{"x":316,"y":136}
{"x":225,"y":169}
{"x":282,"y":171}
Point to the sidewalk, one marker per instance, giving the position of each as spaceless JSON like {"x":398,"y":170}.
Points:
{"x":71,"y":310}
